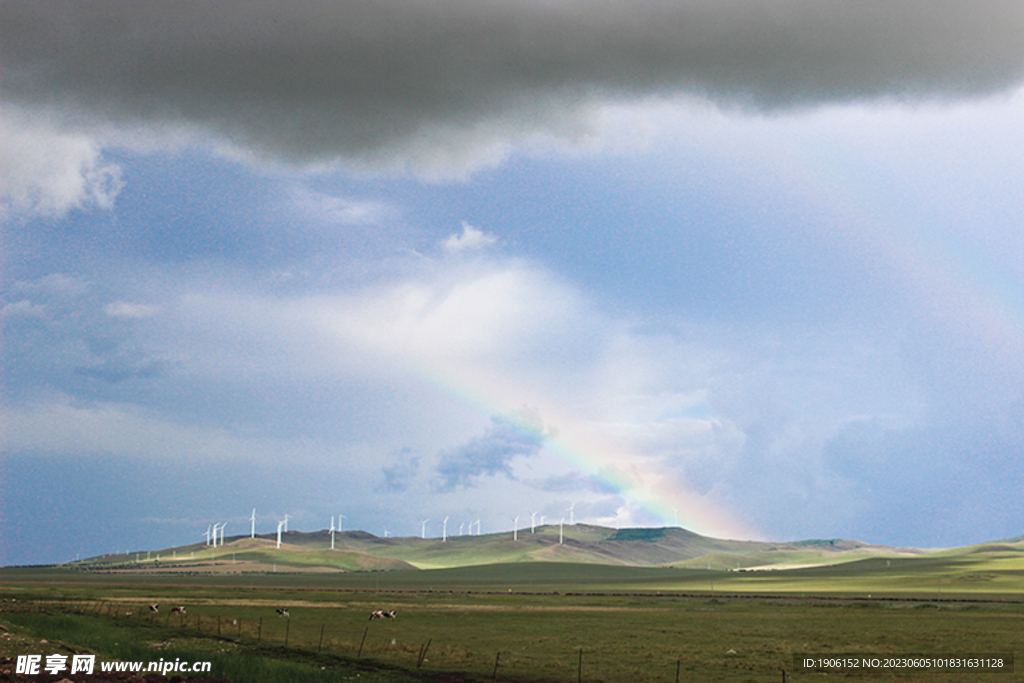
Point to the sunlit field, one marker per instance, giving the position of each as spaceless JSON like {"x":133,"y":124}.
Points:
{"x":536,"y":622}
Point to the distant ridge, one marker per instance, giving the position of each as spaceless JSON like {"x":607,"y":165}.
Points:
{"x":580,"y":543}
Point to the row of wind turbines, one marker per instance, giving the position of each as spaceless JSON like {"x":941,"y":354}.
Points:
{"x":215,"y":532}
{"x":515,"y":525}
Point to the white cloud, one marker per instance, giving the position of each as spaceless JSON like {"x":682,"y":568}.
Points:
{"x":128,"y":311}
{"x":23,"y":308}
{"x":60,"y":285}
{"x":58,"y":424}
{"x":471,"y":239}
{"x":46,"y":172}
{"x":335,"y":210}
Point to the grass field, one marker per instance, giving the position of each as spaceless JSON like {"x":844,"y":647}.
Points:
{"x":542,"y":621}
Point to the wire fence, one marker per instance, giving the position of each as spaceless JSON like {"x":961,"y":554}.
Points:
{"x":578,"y":664}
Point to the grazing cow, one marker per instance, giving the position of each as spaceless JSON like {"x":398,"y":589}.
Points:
{"x":177,"y":610}
{"x":153,"y":609}
{"x":283,"y":611}
{"x":381,"y":614}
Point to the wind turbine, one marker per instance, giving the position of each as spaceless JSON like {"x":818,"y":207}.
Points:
{"x":423,"y":530}
{"x":533,"y":516}
{"x":252,"y":531}
{"x":216,"y":528}
{"x":444,"y":530}
{"x":223,"y":524}
{"x":279,"y":525}
{"x":571,"y":521}
{"x":332,"y":533}
{"x":341,"y":524}
{"x":208,"y":527}
{"x":286,"y":523}
{"x":515,"y":528}
{"x":461,"y":527}
{"x":542,"y":520}
{"x":560,"y":523}
{"x":478,"y":527}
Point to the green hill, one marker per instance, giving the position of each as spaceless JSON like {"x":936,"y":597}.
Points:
{"x":578,"y":544}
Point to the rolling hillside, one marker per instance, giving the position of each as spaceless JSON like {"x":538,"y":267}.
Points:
{"x":580,"y":544}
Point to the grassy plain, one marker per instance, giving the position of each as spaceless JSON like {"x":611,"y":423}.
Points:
{"x":540,"y":621}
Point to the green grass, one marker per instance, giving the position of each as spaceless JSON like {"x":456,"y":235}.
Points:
{"x":540,"y":615}
{"x":539,"y":637}
{"x":580,"y":543}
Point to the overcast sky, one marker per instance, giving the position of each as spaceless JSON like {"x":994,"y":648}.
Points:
{"x":752,"y":267}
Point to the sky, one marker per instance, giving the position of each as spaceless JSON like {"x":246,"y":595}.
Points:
{"x":751,"y":267}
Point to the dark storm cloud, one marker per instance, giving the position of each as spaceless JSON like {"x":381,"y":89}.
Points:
{"x":385,"y":81}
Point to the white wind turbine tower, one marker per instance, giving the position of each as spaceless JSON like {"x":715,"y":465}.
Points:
{"x":279,"y":525}
{"x":444,"y":530}
{"x":223,"y":524}
{"x":515,"y":527}
{"x":252,"y":531}
{"x":341,"y":524}
{"x":216,"y":528}
{"x":542,"y":520}
{"x":533,"y":519}
{"x":286,"y":523}
{"x":461,"y":527}
{"x":571,"y":520}
{"x":423,"y":530}
{"x":332,"y":533}
{"x":478,"y":527}
{"x":208,"y":527}
{"x":560,"y":523}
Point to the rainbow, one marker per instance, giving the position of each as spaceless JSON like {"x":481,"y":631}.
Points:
{"x":662,"y":499}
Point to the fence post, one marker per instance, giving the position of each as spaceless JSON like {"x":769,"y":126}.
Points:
{"x":579,"y":668}
{"x":359,"y":653}
{"x":287,"y":630}
{"x":494,"y":676}
{"x":321,"y":638}
{"x":259,"y":634}
{"x":423,"y":653}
